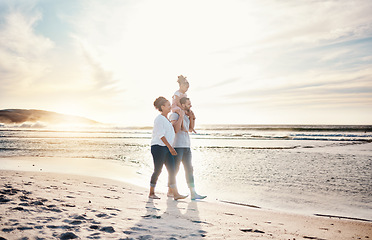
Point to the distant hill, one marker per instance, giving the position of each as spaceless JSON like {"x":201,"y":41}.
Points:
{"x":12,"y":116}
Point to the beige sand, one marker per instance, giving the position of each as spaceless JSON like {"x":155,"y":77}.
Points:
{"x":39,"y":205}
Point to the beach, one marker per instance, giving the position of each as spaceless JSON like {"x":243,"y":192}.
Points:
{"x":260,"y":111}
{"x":296,"y":169}
{"x":39,"y":202}
{"x":296,"y":182}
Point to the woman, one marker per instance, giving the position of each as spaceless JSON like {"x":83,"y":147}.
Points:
{"x":161,"y":149}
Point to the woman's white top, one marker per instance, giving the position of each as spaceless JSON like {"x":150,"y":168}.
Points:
{"x":162,"y":128}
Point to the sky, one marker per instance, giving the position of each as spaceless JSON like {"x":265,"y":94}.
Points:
{"x":248,"y":62}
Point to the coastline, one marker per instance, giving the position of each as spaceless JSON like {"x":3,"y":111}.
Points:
{"x":310,"y":177}
{"x":67,"y":204}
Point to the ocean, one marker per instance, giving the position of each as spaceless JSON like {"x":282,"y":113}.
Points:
{"x":306,"y":169}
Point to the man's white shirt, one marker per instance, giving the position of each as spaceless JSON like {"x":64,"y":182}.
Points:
{"x":182,"y":138}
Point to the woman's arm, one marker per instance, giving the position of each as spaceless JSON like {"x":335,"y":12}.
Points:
{"x":171,"y":149}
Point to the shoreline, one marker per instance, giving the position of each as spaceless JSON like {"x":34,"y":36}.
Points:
{"x":113,"y":170}
{"x":45,"y":204}
{"x":89,"y":167}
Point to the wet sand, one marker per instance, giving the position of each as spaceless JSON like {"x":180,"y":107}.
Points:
{"x":41,"y":205}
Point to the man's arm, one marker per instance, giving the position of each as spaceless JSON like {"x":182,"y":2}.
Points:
{"x":177,"y":123}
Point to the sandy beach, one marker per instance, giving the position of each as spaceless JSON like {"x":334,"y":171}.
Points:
{"x":45,"y":205}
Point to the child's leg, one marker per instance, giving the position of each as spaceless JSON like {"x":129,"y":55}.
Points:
{"x":176,"y":108}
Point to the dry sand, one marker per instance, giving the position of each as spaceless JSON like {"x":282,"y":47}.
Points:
{"x":40,"y":205}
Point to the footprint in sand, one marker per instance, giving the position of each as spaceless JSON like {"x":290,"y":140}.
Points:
{"x":113,"y":209}
{"x":139,"y":229}
{"x":148,"y":237}
{"x":52,"y":209}
{"x":68,"y":205}
{"x":67,"y":235}
{"x":24,"y":228}
{"x":20,"y":209}
{"x":6,"y":230}
{"x":94,"y":236}
{"x":107,"y":229}
{"x":151,"y":216}
{"x":4,"y":199}
{"x":37,"y":203}
{"x":310,"y":237}
{"x":103,"y":215}
{"x":79,"y":217}
{"x":94,"y":227}
{"x":76,"y":222}
{"x":24,"y":198}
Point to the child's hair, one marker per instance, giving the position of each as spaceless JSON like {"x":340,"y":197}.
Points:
{"x":182,"y":80}
{"x":160,"y":101}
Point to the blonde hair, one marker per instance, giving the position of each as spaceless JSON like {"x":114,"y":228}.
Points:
{"x":182,"y":80}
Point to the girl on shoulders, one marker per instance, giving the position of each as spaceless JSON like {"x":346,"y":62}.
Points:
{"x":181,"y":93}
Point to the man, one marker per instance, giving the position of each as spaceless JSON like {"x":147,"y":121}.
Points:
{"x":182,"y":143}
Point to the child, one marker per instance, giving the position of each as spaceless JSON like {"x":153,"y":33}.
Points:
{"x":176,"y":105}
{"x":184,"y":86}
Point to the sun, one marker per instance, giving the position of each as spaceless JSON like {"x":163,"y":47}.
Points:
{"x":68,"y":108}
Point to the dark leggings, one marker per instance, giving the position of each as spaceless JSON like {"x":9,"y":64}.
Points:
{"x":161,"y":156}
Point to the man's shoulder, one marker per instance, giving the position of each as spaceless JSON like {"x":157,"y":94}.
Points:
{"x":174,"y":116}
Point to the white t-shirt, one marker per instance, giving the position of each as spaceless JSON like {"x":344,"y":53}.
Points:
{"x":162,"y":127}
{"x":182,"y":139}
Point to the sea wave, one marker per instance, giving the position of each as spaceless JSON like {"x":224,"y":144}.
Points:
{"x":205,"y":135}
{"x":291,"y":128}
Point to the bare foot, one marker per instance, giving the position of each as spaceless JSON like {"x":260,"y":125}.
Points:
{"x":179,"y":196}
{"x":170,"y":194}
{"x":153,"y":196}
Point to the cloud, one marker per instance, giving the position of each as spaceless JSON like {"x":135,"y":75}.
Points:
{"x":22,"y":51}
{"x":310,"y":55}
{"x":120,"y":55}
{"x":219,"y":84}
{"x":36,"y":72}
{"x":332,"y":89}
{"x":103,"y":79}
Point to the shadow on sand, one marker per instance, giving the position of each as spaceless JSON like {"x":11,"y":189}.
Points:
{"x":180,"y":220}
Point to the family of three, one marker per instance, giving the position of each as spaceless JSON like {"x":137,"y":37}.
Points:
{"x":170,"y":143}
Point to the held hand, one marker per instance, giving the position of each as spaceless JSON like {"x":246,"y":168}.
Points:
{"x":193,"y":130}
{"x":172,"y":151}
{"x":191,"y":115}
